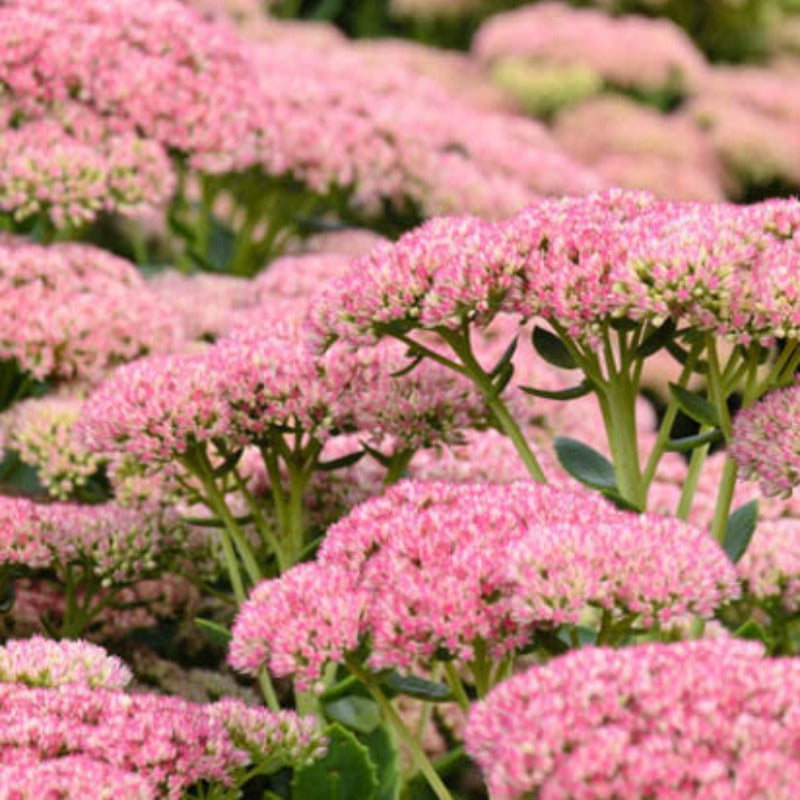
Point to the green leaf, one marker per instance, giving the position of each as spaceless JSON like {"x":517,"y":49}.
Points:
{"x":694,"y":406}
{"x":502,"y":378}
{"x":420,"y":688}
{"x":552,"y":349}
{"x":505,"y":358}
{"x":341,"y":463}
{"x":682,"y":356}
{"x":740,"y":529}
{"x":228,"y":465}
{"x":359,"y":713}
{"x":687,"y":443}
{"x":581,"y":390}
{"x":219,"y":634}
{"x":345,"y":773}
{"x":620,"y":502}
{"x":623,"y":324}
{"x":383,"y":753}
{"x":656,"y":340}
{"x":752,"y":631}
{"x":412,"y":365}
{"x":584,"y":463}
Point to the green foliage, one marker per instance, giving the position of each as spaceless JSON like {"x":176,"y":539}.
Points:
{"x":740,"y":529}
{"x":585,"y":464}
{"x":345,"y":773}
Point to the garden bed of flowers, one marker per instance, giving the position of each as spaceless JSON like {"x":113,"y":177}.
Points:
{"x":399,"y":400}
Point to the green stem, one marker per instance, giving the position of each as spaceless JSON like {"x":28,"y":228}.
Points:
{"x":606,"y":631}
{"x":668,"y":421}
{"x":398,"y":464}
{"x":199,"y":464}
{"x":454,"y":679}
{"x":481,"y":667}
{"x":268,"y":690}
{"x":460,"y":345}
{"x":692,"y":478}
{"x":267,"y":534}
{"x":295,"y":531}
{"x":393,"y":718}
{"x":728,"y":482}
{"x":724,"y":500}
{"x":618,"y":402}
{"x":72,"y":626}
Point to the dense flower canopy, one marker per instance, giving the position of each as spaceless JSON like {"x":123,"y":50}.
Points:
{"x":694,"y":720}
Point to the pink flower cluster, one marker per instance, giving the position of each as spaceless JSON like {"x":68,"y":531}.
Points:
{"x":771,"y":566}
{"x":580,"y":262}
{"x":119,"y":544}
{"x":47,"y":663}
{"x":702,"y":719}
{"x":750,"y":114}
{"x":433,"y":568}
{"x":65,"y":717}
{"x":278,"y":736}
{"x":40,"y":431}
{"x":171,"y":743}
{"x":276,"y":626}
{"x":629,"y":52}
{"x":71,"y":778}
{"x":258,"y":379}
{"x":766,"y":441}
{"x":634,"y":146}
{"x":658,"y":567}
{"x":195,"y":87}
{"x":159,"y":71}
{"x":73,"y":311}
{"x":68,"y":167}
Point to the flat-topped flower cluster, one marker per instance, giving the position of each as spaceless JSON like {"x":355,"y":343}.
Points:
{"x":433,"y":571}
{"x":579,"y":263}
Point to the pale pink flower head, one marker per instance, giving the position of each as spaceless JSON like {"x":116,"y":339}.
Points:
{"x":766,"y":441}
{"x":118,"y":545}
{"x":69,"y":167}
{"x":283,"y":736}
{"x":770,"y":568}
{"x":46,"y":663}
{"x":168,"y":742}
{"x":719,"y":267}
{"x":270,"y":378}
{"x":448,"y":270}
{"x":652,"y":567}
{"x":689,"y":720}
{"x":71,"y":778}
{"x":278,"y":628}
{"x":155,"y":408}
{"x":427,"y":406}
{"x":206,"y":305}
{"x":72,"y":311}
{"x":629,"y":52}
{"x":164,"y":71}
{"x":430,"y":558}
{"x":572,"y":249}
{"x":40,"y":431}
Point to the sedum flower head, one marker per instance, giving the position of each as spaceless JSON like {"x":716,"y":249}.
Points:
{"x":71,"y":778}
{"x":170,"y":743}
{"x":771,"y":566}
{"x":40,"y":430}
{"x":46,"y":663}
{"x":766,"y":441}
{"x":428,"y":570}
{"x":690,"y":720}
{"x":73,"y":311}
{"x":284,"y":737}
{"x":278,"y":628}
